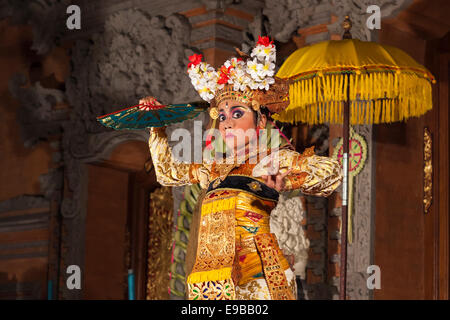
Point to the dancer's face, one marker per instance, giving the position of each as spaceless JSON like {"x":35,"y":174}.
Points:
{"x":235,"y":115}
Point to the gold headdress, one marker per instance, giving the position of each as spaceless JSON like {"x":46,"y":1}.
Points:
{"x":251,"y":82}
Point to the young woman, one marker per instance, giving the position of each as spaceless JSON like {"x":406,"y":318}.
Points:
{"x":237,"y":256}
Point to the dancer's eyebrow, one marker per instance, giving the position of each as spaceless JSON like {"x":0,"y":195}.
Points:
{"x":233,"y":107}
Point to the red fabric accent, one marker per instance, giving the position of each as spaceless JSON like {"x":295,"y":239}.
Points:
{"x":209,"y":142}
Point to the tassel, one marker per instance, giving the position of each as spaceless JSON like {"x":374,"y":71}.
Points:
{"x":361,"y":112}
{"x":376,"y":97}
{"x":300,"y":87}
{"x":314,"y":89}
{"x":366,"y":87}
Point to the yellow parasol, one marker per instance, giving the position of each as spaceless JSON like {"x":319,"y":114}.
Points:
{"x":352,"y":81}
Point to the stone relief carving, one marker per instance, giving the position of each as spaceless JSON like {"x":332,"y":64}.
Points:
{"x":286,"y":16}
{"x":43,"y":15}
{"x":110,"y":71}
{"x":285,"y":222}
{"x":356,"y":9}
{"x":360,"y":251}
{"x":281,"y":19}
{"x":127,"y":62}
{"x":36,"y":115}
{"x":255,"y":28}
{"x":217,"y":4}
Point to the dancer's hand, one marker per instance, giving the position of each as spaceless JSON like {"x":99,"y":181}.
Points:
{"x":150,"y":101}
{"x":276,"y":181}
{"x":291,"y":260}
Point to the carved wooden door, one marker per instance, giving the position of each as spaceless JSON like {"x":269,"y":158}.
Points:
{"x":412,"y":193}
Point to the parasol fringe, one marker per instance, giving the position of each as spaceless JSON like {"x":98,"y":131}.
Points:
{"x":376,"y":97}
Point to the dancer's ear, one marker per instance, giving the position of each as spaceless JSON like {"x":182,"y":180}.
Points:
{"x":262,"y":121}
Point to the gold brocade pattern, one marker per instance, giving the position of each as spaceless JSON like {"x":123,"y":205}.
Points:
{"x":258,"y":290}
{"x":323,"y":174}
{"x":274,"y":274}
{"x":159,"y":243}
{"x":252,"y":219}
{"x":171,"y":172}
{"x":253,"y":290}
{"x":212,"y":290}
{"x":231,"y":219}
{"x":216,"y":243}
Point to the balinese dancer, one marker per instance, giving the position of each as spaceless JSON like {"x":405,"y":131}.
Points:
{"x":237,"y":256}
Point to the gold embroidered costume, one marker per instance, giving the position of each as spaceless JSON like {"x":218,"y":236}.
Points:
{"x":235,"y":216}
{"x":236,"y":251}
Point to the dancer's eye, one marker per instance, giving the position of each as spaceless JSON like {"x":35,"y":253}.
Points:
{"x":237,"y":114}
{"x":222,"y":117}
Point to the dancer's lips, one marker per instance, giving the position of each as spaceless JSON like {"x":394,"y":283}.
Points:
{"x":229,"y":135}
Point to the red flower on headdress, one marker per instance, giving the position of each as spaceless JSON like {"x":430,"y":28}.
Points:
{"x":226,"y":70}
{"x":195,"y":59}
{"x":223,"y":78}
{"x":265,"y":41}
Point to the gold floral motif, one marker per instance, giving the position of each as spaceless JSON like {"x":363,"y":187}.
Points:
{"x":427,"y":170}
{"x":159,"y":243}
{"x":258,"y":289}
{"x":254,"y":185}
{"x":253,"y":290}
{"x":212,"y":290}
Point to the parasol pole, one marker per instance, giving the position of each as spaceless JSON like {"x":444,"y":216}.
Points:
{"x":346,"y":137}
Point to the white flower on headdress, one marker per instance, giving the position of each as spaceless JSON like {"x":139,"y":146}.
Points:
{"x":234,"y":62}
{"x":252,"y":68}
{"x":240,"y":80}
{"x":255,"y":73}
{"x":266,"y":70}
{"x":265,"y":84}
{"x":253,"y":85}
{"x":264,"y":53}
{"x":206,"y":94}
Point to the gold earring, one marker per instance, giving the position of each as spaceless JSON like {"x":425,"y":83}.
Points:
{"x":255,"y":105}
{"x":214,"y":113}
